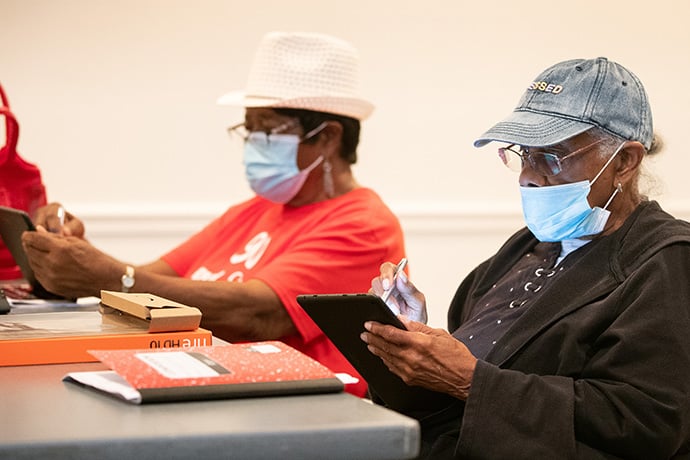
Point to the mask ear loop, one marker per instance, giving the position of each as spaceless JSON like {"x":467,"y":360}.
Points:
{"x":608,"y":162}
{"x":315,"y":131}
{"x":619,"y":188}
{"x":328,"y":186}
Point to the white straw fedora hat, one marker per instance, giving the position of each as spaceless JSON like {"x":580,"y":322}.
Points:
{"x":302,"y":70}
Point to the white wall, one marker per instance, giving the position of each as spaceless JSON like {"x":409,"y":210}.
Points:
{"x":116,"y":104}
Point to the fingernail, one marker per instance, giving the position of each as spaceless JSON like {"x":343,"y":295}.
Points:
{"x":363,"y":336}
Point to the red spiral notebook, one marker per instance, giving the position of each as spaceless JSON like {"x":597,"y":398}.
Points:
{"x":217,"y":372}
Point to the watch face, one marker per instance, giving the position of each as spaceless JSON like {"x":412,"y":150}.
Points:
{"x":128,"y":278}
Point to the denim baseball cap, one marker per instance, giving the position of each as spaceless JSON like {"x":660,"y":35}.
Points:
{"x":573,"y":96}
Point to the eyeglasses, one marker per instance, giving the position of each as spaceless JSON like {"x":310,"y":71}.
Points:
{"x":544,"y":163}
{"x":240,"y":130}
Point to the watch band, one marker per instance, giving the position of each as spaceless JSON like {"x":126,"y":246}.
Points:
{"x":128,"y":279}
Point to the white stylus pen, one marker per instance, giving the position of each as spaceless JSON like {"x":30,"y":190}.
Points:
{"x":61,"y":215}
{"x":398,"y":269}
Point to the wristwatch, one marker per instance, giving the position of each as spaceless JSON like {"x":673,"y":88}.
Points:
{"x":128,"y":279}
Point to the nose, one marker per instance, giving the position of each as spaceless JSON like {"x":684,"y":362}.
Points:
{"x":530,"y":178}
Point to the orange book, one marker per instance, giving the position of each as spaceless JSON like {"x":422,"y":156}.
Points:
{"x":65,"y":337}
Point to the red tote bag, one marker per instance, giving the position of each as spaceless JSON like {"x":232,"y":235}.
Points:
{"x":21,"y":186}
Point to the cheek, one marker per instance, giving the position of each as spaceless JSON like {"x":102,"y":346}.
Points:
{"x":577,"y":172}
{"x":306,"y":155}
{"x":602,"y":190}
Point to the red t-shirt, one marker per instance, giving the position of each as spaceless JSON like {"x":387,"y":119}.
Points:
{"x":334,"y":246}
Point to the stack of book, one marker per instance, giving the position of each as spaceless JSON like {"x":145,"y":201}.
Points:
{"x":66,"y":335}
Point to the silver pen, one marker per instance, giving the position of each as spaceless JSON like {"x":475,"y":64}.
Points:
{"x":61,"y":216}
{"x":400,"y":267}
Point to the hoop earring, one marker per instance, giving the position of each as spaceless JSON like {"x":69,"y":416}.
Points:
{"x":328,"y":186}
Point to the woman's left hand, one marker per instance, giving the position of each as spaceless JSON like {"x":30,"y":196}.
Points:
{"x":423,"y":356}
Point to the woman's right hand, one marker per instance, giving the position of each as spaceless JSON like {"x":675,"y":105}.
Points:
{"x":54,"y":218}
{"x":405,"y":297}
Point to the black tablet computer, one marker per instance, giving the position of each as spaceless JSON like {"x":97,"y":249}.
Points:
{"x":4,"y":303}
{"x":14,"y":222}
{"x":341,"y":317}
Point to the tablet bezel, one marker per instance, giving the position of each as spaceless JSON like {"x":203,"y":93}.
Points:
{"x":14,"y":222}
{"x":341,"y":317}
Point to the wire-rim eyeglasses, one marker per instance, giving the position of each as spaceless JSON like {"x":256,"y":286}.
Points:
{"x":544,"y":163}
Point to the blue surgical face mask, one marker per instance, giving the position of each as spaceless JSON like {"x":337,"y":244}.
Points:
{"x":271,"y":165}
{"x":562,"y":212}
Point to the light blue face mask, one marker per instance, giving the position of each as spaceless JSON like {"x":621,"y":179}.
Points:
{"x":271,"y":165}
{"x":562,"y":212}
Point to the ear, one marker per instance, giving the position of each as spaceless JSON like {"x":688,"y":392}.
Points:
{"x":331,"y":136}
{"x":629,"y":160}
